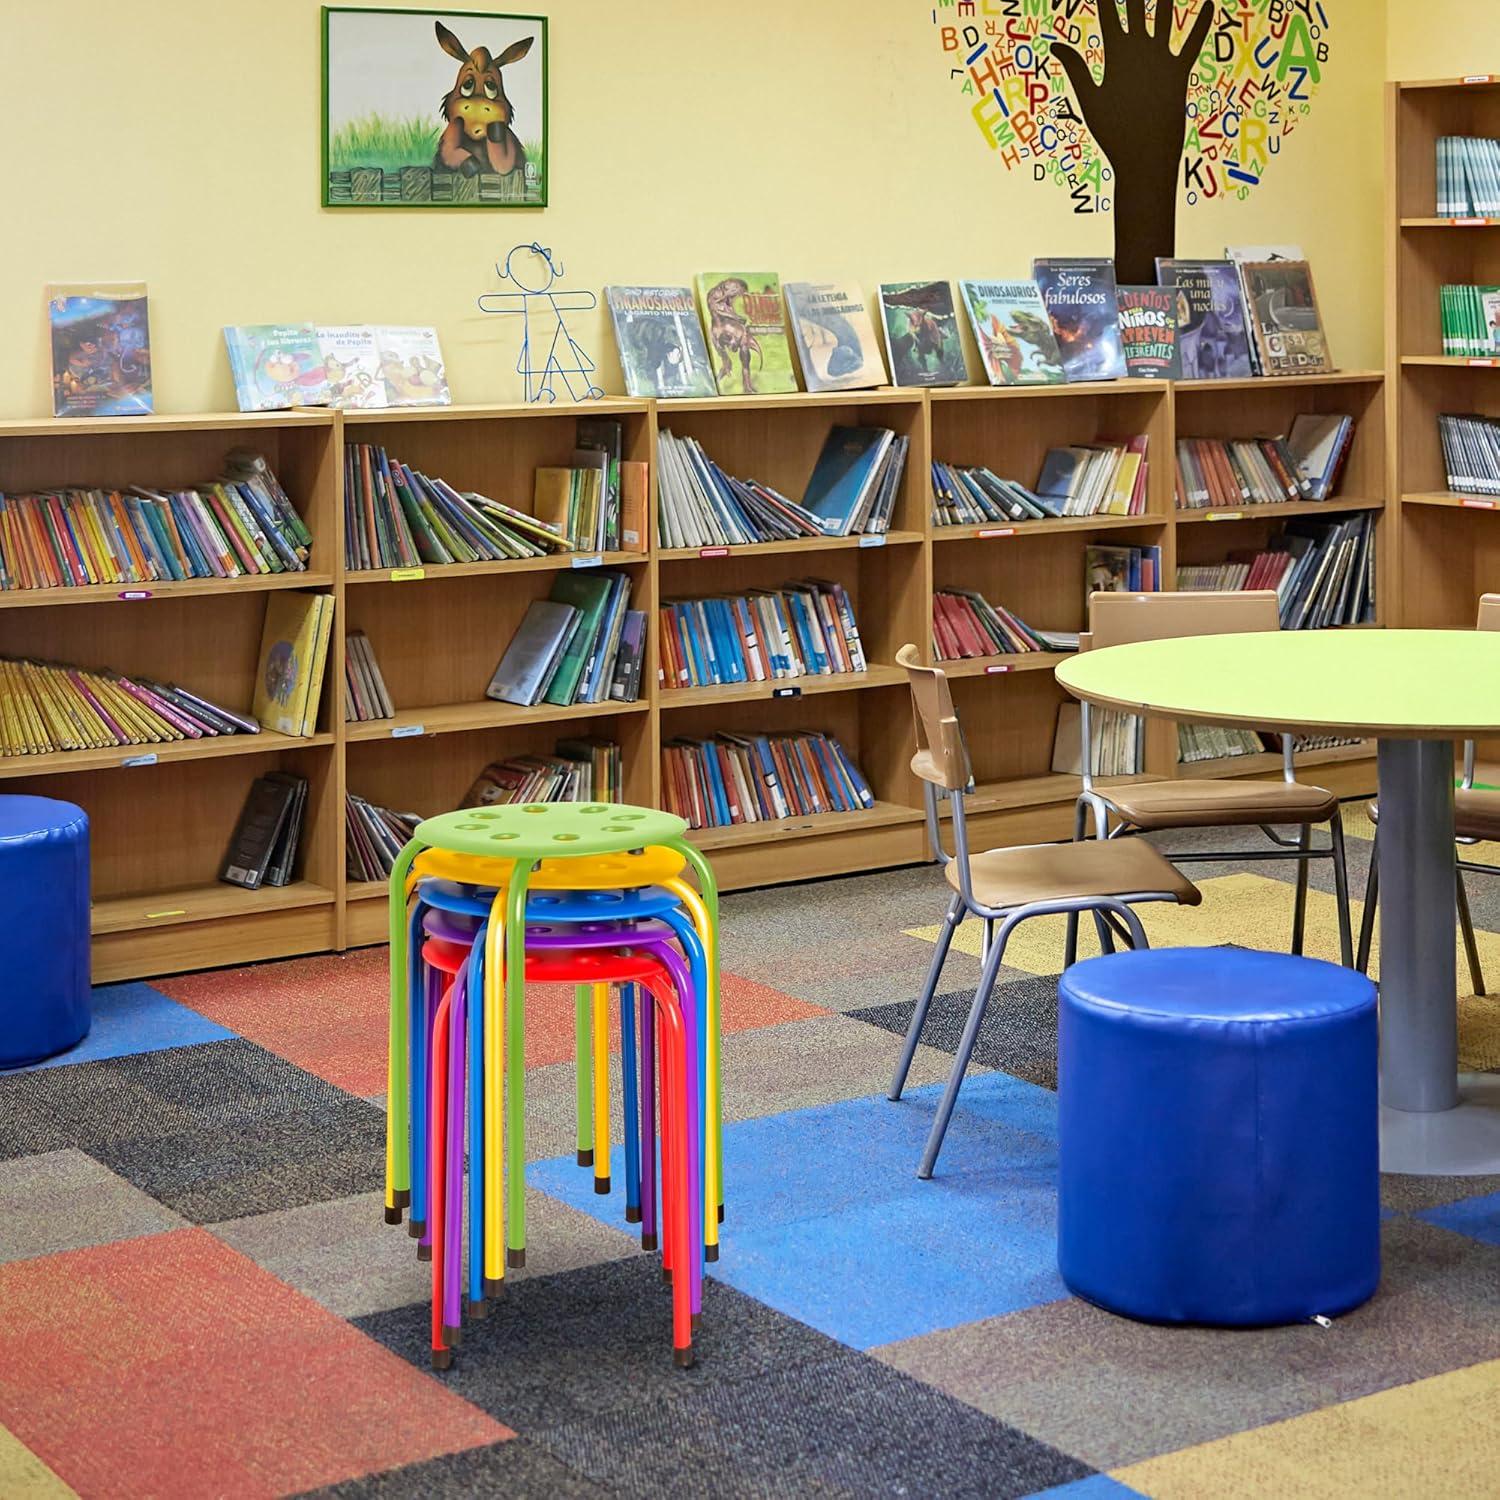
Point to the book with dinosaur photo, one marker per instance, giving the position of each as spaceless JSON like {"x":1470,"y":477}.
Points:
{"x":836,"y":343}
{"x":921,"y":333}
{"x":1080,"y":299}
{"x":662,"y":353}
{"x":1013,"y":332}
{"x":747,"y":340}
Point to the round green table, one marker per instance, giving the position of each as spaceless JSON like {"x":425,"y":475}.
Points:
{"x":1415,"y":692}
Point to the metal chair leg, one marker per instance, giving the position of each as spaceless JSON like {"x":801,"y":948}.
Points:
{"x":1070,"y":948}
{"x":1466,"y":926}
{"x":951,"y":919}
{"x":1106,"y":937}
{"x":1372,"y":896}
{"x":1341,"y":888}
{"x":1299,"y":909}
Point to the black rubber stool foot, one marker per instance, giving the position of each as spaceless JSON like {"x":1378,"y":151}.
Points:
{"x":494,"y":1288}
{"x":710,"y":1252}
{"x":601,"y":1185}
{"x":721,"y":1213}
{"x":683,"y":1358}
{"x":442,"y":1359}
{"x":453,"y":1337}
{"x":402,"y":1197}
{"x":515,"y":1258}
{"x":585,"y":1158}
{"x":393,"y":1216}
{"x":632,"y":1215}
{"x":416,"y":1228}
{"x":480,"y":1309}
{"x":696,"y":1319}
{"x":424,"y":1252}
{"x":648,"y":1242}
{"x":666,"y":1275}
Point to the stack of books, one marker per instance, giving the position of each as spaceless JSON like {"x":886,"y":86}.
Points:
{"x":263,"y":849}
{"x":1471,"y":453}
{"x":581,"y":644}
{"x":1306,"y":464}
{"x":373,"y":837}
{"x":966,"y":624}
{"x":1200,"y":742}
{"x":241,"y":524}
{"x":970,"y":497}
{"x":1096,"y":479}
{"x":806,"y":628}
{"x":46,"y":707}
{"x":737,"y":778}
{"x":581,"y":770}
{"x":397,"y":517}
{"x":1468,"y":177}
{"x":852,"y":490}
{"x":1117,"y":742}
{"x":365,"y":694}
{"x":1470,"y":318}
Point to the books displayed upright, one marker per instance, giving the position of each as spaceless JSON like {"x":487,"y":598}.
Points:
{"x":411,"y":365}
{"x":1117,"y":742}
{"x":1471,"y":453}
{"x":660,"y":342}
{"x":972,"y":496}
{"x":746,"y":328}
{"x":1148,"y":332}
{"x":836,"y":343}
{"x":752,"y":778}
{"x":263,"y":849}
{"x":293,"y":656}
{"x":1079,"y":295}
{"x":1093,"y":479}
{"x":1470,"y":320}
{"x":239,"y":525}
{"x":101,"y":349}
{"x":921,"y":333}
{"x":373,"y":837}
{"x":580,"y":770}
{"x":366,"y":696}
{"x":1224,"y":473}
{"x":1120,"y":570}
{"x":1200,"y":742}
{"x":1013,"y":332}
{"x":806,"y":628}
{"x":966,"y":624}
{"x":276,"y":366}
{"x":1214,"y":341}
{"x":1468,"y":177}
{"x":1285,"y":324}
{"x":281,"y":365}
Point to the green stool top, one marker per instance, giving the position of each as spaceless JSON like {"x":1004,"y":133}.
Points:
{"x":550,"y":830}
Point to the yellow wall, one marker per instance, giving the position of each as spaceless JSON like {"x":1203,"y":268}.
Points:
{"x":177,"y":142}
{"x":1442,"y":38}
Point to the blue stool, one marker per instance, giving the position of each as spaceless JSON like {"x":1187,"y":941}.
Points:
{"x":44,"y":953}
{"x":1218,"y":1136}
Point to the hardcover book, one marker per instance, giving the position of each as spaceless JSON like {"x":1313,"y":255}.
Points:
{"x":1080,"y":300}
{"x":1148,"y":332}
{"x":1289,"y":337}
{"x":531,"y":659}
{"x":411,"y":364}
{"x":262,"y":821}
{"x":746,"y":332}
{"x":293,"y":647}
{"x":1013,"y":332}
{"x":1210,"y":318}
{"x":101,"y":350}
{"x":841,"y":479}
{"x":662,"y":353}
{"x":921,"y":333}
{"x":835,"y":338}
{"x":351,"y":365}
{"x":276,"y":365}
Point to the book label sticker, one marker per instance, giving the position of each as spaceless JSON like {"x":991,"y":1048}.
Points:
{"x":1483,"y":364}
{"x":786,"y":692}
{"x":591,"y":561}
{"x":713,"y":552}
{"x":176,"y":911}
{"x":873,"y":539}
{"x":1469,"y":222}
{"x":1479,"y":504}
{"x":407,"y":575}
{"x":996,"y":531}
{"x":1225,"y":515}
{"x":997,"y":667}
{"x":148,"y":759}
{"x":1478,"y":77}
{"x":408,"y":731}
{"x":133,"y":594}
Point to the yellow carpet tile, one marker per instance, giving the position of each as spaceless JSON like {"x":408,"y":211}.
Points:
{"x":1357,"y":825}
{"x":23,"y":1476}
{"x":1434,"y":1438}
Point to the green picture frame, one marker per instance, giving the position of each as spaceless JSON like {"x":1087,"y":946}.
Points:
{"x":384,"y":145}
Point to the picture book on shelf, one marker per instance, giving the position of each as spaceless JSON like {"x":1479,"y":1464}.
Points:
{"x":921,"y":333}
{"x":1080,"y":299}
{"x":1013,"y":332}
{"x":351,"y":365}
{"x":835,"y":338}
{"x":847,"y":469}
{"x":293,"y":652}
{"x":1283,"y":308}
{"x":276,"y":366}
{"x":1210,"y":318}
{"x":660,"y":341}
{"x":746,"y":332}
{"x":1148,"y":332}
{"x":101,"y":350}
{"x":411,"y":364}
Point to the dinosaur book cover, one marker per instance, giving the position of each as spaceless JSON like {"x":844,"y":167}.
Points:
{"x":1080,"y":299}
{"x":1013,"y":332}
{"x":662,"y":353}
{"x":1148,"y":332}
{"x":101,"y":350}
{"x":434,"y":109}
{"x":921,"y":333}
{"x":746,"y":331}
{"x":835,"y":338}
{"x":1210,"y":318}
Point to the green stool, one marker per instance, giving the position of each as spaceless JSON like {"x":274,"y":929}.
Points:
{"x":525,"y":834}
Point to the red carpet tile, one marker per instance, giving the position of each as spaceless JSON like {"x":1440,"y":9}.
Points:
{"x":328,"y":1014}
{"x":172,"y":1365}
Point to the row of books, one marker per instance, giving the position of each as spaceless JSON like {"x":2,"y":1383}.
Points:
{"x":1471,"y":453}
{"x":1306,"y":464}
{"x":598,"y":499}
{"x":1470,"y":319}
{"x":738,"y":778}
{"x":1200,"y":742}
{"x":803,"y":629}
{"x":263,"y":850}
{"x":851,"y":490}
{"x":46,"y":707}
{"x":966,"y":624}
{"x":366,"y":696}
{"x":1322,"y":571}
{"x":1117,"y":742}
{"x":580,"y":770}
{"x":373,"y":837}
{"x":281,"y":365}
{"x":972,"y":496}
{"x":1083,"y":479}
{"x":241,"y":524}
{"x":1120,"y":570}
{"x":1468,"y":177}
{"x":581,"y":644}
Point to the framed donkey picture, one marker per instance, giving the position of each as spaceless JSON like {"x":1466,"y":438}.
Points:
{"x":434,"y":109}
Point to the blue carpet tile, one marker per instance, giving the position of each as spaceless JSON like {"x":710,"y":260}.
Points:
{"x":1477,"y":1217}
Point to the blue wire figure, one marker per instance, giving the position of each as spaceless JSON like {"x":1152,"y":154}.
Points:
{"x":568,"y":361}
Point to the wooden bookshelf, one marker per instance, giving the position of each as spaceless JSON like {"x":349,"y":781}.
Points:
{"x":161,"y":821}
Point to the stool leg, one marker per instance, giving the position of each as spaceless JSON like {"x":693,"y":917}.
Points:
{"x":1341,"y":888}
{"x":675,"y":1100}
{"x":421,"y":1095}
{"x":601,"y":1088}
{"x":951,"y":918}
{"x":1372,"y":897}
{"x":694,"y":1059}
{"x":398,"y":1057}
{"x":648,"y":1122}
{"x":687,"y":936}
{"x":1466,"y":926}
{"x":474,"y":1005}
{"x":1299,"y":906}
{"x":494,"y":981}
{"x":453,"y":1190}
{"x":515,"y":1063}
{"x":583,"y":1053}
{"x":710,"y":901}
{"x":437,"y":1138}
{"x":965,"y":1048}
{"x":630,"y":1105}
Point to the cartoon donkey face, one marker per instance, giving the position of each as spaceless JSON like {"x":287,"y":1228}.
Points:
{"x":477,"y":102}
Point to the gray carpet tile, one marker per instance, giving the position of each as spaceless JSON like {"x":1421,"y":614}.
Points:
{"x":1412,"y":1195}
{"x":515,"y":1468}
{"x":1113,"y":1391}
{"x":64,"y":1200}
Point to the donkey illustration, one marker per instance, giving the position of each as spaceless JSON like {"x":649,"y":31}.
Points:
{"x":729,"y":333}
{"x":478,"y":135}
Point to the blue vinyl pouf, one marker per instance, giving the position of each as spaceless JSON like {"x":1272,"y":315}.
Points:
{"x":1218,"y":1136}
{"x":44,"y":928}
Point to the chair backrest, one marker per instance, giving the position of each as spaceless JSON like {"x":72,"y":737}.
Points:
{"x":1489,"y":612}
{"x":942,"y":758}
{"x":1120,"y":619}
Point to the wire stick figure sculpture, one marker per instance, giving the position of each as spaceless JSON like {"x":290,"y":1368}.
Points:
{"x":565,"y":356}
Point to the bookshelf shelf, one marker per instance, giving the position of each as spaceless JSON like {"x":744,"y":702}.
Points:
{"x":876,"y":676}
{"x":146,"y":593}
{"x":438,"y":572}
{"x":999,"y":666}
{"x":1471,"y":223}
{"x":1064,"y":526}
{"x":781,"y":830}
{"x":1452,"y":361}
{"x":204,"y":903}
{"x":1187,"y":515}
{"x":1453,"y":500}
{"x":797,"y":546}
{"x":459,"y":718}
{"x":1269,"y":762}
{"x":138,"y":757}
{"x":1279,"y":382}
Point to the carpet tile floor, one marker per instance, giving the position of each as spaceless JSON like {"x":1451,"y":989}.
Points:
{"x":201,"y":1299}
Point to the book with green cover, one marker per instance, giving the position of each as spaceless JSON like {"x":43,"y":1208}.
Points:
{"x":1013,"y":332}
{"x":662,"y":354}
{"x":747,"y":340}
{"x":588,"y":593}
{"x":921,"y":333}
{"x":276,"y":365}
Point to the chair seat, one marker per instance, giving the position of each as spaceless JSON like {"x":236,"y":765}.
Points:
{"x":1476,"y":814}
{"x":1154,"y":805}
{"x":1005,"y":878}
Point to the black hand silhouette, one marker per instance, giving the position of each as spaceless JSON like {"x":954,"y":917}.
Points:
{"x":1136,"y":114}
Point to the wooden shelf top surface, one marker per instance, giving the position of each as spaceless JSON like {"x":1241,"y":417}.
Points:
{"x":1472,"y":221}
{"x":1249,"y":512}
{"x":1287,"y":382}
{"x":202,"y":903}
{"x":166,"y":422}
{"x":877,"y":676}
{"x":792,"y":547}
{"x":139,"y":757}
{"x":882,"y":815}
{"x":460,"y":718}
{"x":144,"y":593}
{"x":1453,"y":361}
{"x":556,"y":562}
{"x":885,"y":395}
{"x":1003,"y":664}
{"x":1255,"y":764}
{"x":993,"y":530}
{"x":610,"y":406}
{"x":1126,"y":387}
{"x":1451,"y":500}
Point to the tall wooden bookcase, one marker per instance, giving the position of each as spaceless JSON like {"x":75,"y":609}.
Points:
{"x":161,"y":822}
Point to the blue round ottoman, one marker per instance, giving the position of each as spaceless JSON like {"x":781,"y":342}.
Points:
{"x":44,"y":955}
{"x":1218,"y":1136}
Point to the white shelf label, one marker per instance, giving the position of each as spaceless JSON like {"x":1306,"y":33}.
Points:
{"x":408,"y":731}
{"x":786,"y":692}
{"x":713,"y":552}
{"x":1225,"y":515}
{"x":873,"y":539}
{"x":148,"y":759}
{"x":591,"y":561}
{"x":131,"y":595}
{"x":997,"y":667}
{"x":997,"y":531}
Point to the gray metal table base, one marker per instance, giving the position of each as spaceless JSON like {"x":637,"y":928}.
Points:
{"x":1432,"y":1121}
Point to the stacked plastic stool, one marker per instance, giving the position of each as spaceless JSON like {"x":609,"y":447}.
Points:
{"x":484,"y":901}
